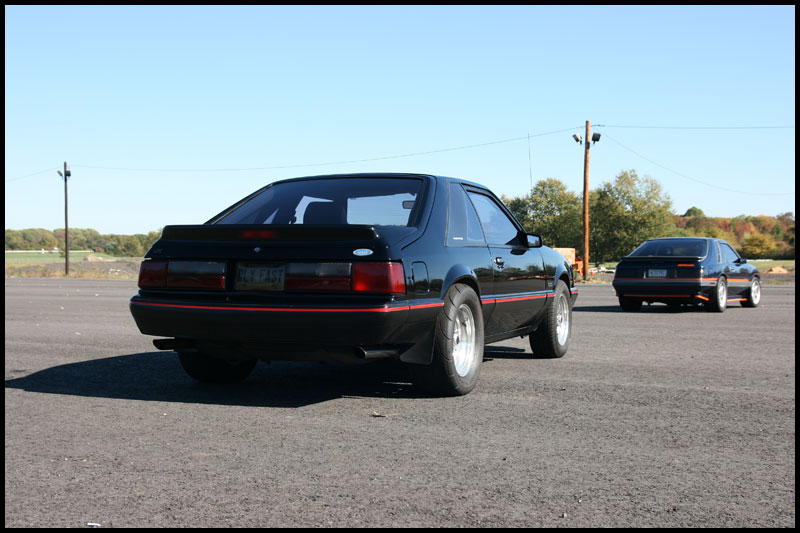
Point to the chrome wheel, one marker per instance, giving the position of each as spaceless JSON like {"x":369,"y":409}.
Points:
{"x":755,"y":292}
{"x":719,"y":300}
{"x":722,"y":293}
{"x":562,"y":320}
{"x":464,"y":340}
{"x":551,"y":337}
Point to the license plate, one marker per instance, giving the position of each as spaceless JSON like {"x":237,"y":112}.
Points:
{"x":657,"y":273}
{"x":260,"y":277}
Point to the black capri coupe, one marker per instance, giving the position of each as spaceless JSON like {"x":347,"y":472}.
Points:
{"x":419,"y":268}
{"x":686,"y":270}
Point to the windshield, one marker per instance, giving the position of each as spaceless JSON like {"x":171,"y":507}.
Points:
{"x":331,"y":201}
{"x":672,"y":247}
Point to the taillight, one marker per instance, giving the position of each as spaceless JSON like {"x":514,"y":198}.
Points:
{"x":182,"y":274}
{"x":153,"y":274}
{"x":383,"y":278}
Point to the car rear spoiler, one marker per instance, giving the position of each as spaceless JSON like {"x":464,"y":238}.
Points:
{"x":661,"y":258}
{"x":272,"y":233}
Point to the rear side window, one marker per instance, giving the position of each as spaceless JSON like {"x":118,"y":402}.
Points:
{"x":497,"y":226}
{"x":463,"y":227}
{"x":332,"y":201}
{"x":729,"y":255}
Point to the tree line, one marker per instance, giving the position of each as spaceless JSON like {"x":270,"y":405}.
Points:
{"x":623,"y":214}
{"x":630,"y":209}
{"x":81,"y":239}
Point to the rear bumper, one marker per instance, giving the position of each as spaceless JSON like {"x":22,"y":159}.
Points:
{"x":277,"y":327}
{"x":681,"y":291}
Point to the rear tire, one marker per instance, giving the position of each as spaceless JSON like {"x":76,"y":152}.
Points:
{"x":208,"y":369}
{"x":551,"y":338}
{"x":719,"y":300}
{"x":458,"y":346}
{"x":753,"y":295}
{"x":628,"y":304}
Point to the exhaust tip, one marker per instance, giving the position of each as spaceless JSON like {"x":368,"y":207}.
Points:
{"x":376,"y":353}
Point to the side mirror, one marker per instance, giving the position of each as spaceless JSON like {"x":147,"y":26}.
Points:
{"x":741,"y":260}
{"x":534,"y":241}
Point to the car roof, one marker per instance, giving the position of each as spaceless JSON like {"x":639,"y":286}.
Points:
{"x":384,"y":175}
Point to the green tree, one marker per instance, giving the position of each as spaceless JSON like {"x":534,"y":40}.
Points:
{"x":14,"y":239}
{"x":38,"y":238}
{"x":625,"y":213}
{"x":694,"y":212}
{"x":129,"y":246}
{"x":552,"y":211}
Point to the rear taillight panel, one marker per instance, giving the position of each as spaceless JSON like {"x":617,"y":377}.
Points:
{"x":182,"y":275}
{"x":380,"y":278}
{"x":362,"y":277}
{"x":153,"y":274}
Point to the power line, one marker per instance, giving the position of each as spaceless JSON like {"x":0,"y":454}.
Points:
{"x":383,"y":158}
{"x":278,"y":167}
{"x":33,"y":174}
{"x":698,"y":127}
{"x":691,"y":178}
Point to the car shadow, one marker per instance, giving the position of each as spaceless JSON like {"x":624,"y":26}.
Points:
{"x":505,"y":352}
{"x":158,"y":376}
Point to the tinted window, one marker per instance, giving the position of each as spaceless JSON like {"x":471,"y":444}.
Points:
{"x":673,"y":247}
{"x":371,"y":201}
{"x":463,"y":227}
{"x":497,"y":227}
{"x":728,"y":253}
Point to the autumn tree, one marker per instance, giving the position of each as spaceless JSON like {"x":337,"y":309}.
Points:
{"x":758,"y":245}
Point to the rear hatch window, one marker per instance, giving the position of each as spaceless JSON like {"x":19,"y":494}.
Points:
{"x":331,"y":201}
{"x":672,"y":248}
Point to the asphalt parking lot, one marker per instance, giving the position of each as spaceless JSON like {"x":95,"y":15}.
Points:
{"x":653,"y":419}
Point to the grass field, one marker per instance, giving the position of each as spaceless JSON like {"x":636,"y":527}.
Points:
{"x":51,"y":257}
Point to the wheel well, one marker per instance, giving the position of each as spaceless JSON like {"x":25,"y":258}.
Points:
{"x":470,"y":282}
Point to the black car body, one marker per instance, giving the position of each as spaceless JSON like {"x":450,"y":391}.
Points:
{"x":420,"y":268}
{"x":686,"y":270}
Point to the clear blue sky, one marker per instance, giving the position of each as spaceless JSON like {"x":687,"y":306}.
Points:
{"x":167,"y":115}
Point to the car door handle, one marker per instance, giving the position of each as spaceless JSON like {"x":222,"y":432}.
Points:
{"x":499,"y":262}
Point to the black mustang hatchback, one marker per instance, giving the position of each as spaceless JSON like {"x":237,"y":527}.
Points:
{"x":420,"y":268}
{"x":686,"y":270}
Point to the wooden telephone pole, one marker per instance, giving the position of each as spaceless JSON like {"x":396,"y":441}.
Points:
{"x":66,"y":175}
{"x":586,"y":201}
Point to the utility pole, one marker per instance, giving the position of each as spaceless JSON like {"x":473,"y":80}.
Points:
{"x":66,"y":175}
{"x":585,"y":202}
{"x":593,"y":138}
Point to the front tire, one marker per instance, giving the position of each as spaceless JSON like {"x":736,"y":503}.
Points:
{"x":208,"y":369}
{"x":551,"y":338}
{"x":458,"y":346}
{"x":753,"y":295}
